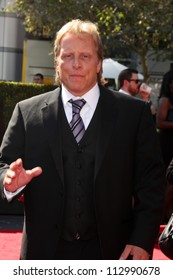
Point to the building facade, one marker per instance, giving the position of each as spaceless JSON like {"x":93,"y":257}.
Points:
{"x":11,"y":45}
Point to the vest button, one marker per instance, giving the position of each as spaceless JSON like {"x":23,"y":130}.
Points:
{"x":78,"y":165}
{"x":61,"y":194}
{"x":80,"y":150}
{"x":79,"y":183}
{"x":77,"y":216}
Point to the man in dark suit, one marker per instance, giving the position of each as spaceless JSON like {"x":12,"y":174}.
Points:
{"x":95,"y":194}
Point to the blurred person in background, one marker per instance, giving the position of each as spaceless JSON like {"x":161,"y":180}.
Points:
{"x":164,"y":120}
{"x":38,"y":78}
{"x":145,"y":94}
{"x":164,"y":123}
{"x":128,"y":82}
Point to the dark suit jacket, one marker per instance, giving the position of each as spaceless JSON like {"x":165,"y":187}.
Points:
{"x":128,"y":181}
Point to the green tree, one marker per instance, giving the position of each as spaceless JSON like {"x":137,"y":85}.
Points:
{"x":135,"y":25}
{"x":44,"y":17}
{"x":140,"y":26}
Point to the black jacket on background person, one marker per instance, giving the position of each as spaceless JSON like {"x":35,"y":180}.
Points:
{"x":169,"y":173}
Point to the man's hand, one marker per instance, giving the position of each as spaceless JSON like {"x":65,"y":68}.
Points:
{"x":135,"y":253}
{"x":17,"y":177}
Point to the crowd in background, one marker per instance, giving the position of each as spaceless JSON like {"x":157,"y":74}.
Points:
{"x":160,"y":98}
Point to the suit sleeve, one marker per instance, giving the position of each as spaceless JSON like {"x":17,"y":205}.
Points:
{"x":149,"y":184}
{"x":12,"y":146}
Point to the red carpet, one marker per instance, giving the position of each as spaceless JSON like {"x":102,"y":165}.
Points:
{"x":10,"y":242}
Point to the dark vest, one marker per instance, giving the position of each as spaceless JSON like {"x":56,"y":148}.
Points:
{"x":78,"y":165}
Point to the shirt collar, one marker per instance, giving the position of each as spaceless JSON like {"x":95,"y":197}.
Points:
{"x":91,"y":97}
{"x":125,"y":92}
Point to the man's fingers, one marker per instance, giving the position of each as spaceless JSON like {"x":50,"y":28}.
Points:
{"x":10,"y":174}
{"x":16,"y":165}
{"x":125,"y":253}
{"x":36,"y":171}
{"x":7,"y":181}
{"x":16,"y":176}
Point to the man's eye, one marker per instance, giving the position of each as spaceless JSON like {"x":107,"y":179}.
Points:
{"x":67,"y":56}
{"x":85,"y":56}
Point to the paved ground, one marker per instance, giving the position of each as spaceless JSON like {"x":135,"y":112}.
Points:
{"x":11,"y":222}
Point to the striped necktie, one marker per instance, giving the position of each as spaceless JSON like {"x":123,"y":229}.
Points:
{"x":76,"y":124}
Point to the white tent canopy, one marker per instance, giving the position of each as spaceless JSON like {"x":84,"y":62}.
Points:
{"x":112,"y":68}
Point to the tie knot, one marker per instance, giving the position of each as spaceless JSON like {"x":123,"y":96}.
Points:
{"x":77,"y":104}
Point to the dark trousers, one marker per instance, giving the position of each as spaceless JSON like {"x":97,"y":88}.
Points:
{"x":78,"y":250}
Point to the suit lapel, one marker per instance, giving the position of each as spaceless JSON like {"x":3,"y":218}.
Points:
{"x":108,"y":116}
{"x":50,"y":112}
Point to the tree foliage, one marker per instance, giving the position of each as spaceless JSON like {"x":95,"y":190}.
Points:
{"x":140,"y":26}
{"x":45,"y":17}
{"x":135,"y":25}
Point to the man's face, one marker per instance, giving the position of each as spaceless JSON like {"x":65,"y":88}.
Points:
{"x":78,"y":63}
{"x":37,"y":80}
{"x":134,"y":84}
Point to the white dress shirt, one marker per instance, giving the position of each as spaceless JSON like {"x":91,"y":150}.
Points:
{"x":91,"y":98}
{"x":87,"y":111}
{"x":125,"y":92}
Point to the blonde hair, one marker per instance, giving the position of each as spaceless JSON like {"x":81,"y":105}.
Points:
{"x":78,"y":27}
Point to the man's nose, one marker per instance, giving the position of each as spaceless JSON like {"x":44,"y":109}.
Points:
{"x":76,"y":62}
